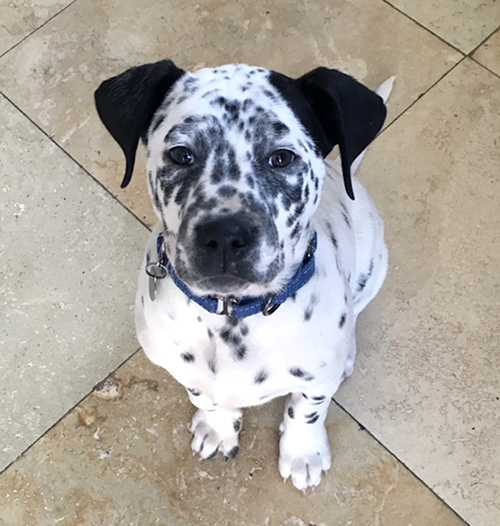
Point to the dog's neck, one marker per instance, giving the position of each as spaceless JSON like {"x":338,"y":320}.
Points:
{"x":229,"y":305}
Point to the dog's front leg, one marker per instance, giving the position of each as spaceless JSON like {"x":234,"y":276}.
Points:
{"x":304,"y":447}
{"x":216,"y":430}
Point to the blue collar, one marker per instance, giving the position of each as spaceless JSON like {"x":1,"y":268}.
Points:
{"x":228,"y":305}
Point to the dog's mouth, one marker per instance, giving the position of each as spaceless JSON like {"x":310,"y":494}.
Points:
{"x":222,"y":285}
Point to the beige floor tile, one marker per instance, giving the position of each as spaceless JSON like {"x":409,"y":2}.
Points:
{"x":123,"y":457}
{"x":54,"y":73}
{"x":427,"y":380}
{"x":462,"y":23}
{"x":489,"y":53}
{"x":20,"y":17}
{"x":66,"y":283}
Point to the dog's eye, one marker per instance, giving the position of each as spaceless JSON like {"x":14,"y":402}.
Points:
{"x":181,"y":155}
{"x":281,"y":158}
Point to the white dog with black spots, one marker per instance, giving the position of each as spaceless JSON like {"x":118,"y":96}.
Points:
{"x":264,"y":254}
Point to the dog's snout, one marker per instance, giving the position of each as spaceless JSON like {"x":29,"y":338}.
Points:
{"x":224,"y":242}
{"x":227,"y":235}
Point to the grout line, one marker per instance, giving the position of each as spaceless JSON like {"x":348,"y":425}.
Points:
{"x":419,"y":24}
{"x":54,"y":424}
{"x":480,"y":64}
{"x":423,"y":94}
{"x":364,"y":428}
{"x":70,"y":410}
{"x":37,"y":29}
{"x":483,"y":41}
{"x":67,"y":154}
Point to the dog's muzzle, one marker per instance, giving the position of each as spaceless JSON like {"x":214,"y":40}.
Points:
{"x":226,"y":248}
{"x":224,"y":254}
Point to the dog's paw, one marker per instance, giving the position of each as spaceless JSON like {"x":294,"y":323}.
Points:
{"x":216,"y":431}
{"x":304,"y":457}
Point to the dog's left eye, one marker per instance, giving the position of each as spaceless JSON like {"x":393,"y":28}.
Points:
{"x":181,"y":155}
{"x":281,"y":158}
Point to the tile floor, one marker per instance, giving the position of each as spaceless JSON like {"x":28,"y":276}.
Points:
{"x":90,"y":432}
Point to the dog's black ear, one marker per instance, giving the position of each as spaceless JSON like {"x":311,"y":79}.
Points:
{"x":335,"y":109}
{"x":126,"y":104}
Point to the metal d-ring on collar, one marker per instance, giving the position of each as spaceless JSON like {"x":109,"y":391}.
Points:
{"x":229,"y":305}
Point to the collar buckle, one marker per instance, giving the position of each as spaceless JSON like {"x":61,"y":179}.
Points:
{"x":225,"y":305}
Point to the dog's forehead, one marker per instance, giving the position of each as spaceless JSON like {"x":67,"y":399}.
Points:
{"x":234,"y":80}
{"x":234,"y":88}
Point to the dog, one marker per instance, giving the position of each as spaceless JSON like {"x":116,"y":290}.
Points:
{"x":264,"y":253}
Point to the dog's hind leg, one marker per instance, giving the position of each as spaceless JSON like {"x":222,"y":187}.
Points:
{"x":349,"y":363}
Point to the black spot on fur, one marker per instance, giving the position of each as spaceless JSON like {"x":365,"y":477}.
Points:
{"x":310,"y":308}
{"x":346,"y":219}
{"x":300,"y":373}
{"x":232,"y":454}
{"x":345,"y":215}
{"x":157,"y":123}
{"x":232,"y":321}
{"x":361,"y":282}
{"x":334,"y":240}
{"x":318,"y":399}
{"x":212,"y":365}
{"x":363,"y":278}
{"x":230,"y":337}
{"x":233,"y":338}
{"x":261,"y":376}
{"x":188,"y":357}
{"x":226,"y":191}
{"x":342,"y":320}
{"x":236,"y":425}
{"x":291,"y":412}
{"x":214,"y":454}
{"x":194,"y":392}
{"x":240,"y":352}
{"x":296,"y":231}
{"x":280,"y":129}
{"x":313,"y":419}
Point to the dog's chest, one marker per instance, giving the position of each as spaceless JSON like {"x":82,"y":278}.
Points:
{"x":238,"y":363}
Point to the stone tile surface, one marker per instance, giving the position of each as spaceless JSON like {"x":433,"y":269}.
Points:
{"x":123,"y":457}
{"x":489,"y":53}
{"x":69,"y":259}
{"x":462,"y":23}
{"x":19,"y":18}
{"x":54,"y":73}
{"x":427,"y":380}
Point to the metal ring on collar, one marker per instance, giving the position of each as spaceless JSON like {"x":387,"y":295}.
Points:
{"x":269,"y":308}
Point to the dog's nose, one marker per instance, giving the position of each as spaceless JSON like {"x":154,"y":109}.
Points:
{"x":226,"y":241}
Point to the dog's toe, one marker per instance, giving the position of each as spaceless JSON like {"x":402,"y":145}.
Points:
{"x":303,"y":459}
{"x":214,"y":433}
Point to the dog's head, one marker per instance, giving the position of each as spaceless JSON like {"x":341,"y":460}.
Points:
{"x":235,"y":162}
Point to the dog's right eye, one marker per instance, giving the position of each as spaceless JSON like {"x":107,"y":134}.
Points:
{"x":181,"y":155}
